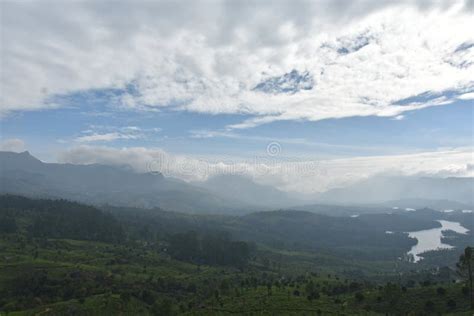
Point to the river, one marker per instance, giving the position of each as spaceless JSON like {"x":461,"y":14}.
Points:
{"x":430,"y":239}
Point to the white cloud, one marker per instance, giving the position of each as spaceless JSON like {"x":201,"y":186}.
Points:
{"x":207,"y":56}
{"x":301,"y":175}
{"x":398,"y":117}
{"x":12,"y":144}
{"x":107,"y":137}
{"x":111,"y":133}
{"x":467,"y":96}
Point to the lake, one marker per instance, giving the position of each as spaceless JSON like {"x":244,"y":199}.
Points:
{"x":430,"y":239}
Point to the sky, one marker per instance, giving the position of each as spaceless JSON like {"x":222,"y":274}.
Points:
{"x":303,"y":95}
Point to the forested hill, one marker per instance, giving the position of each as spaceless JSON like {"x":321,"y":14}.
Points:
{"x":64,"y":258}
{"x":363,"y":237}
{"x":57,"y":219}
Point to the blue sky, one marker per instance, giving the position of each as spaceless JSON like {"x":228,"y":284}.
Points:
{"x":364,"y":89}
{"x":48,"y":131}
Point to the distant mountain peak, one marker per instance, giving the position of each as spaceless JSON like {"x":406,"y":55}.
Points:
{"x":382,"y":188}
{"x":24,"y":156}
{"x":27,"y":154}
{"x":247,"y":190}
{"x":108,"y":184}
{"x":291,"y":82}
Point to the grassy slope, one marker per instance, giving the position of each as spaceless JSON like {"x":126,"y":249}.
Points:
{"x":128,"y":268}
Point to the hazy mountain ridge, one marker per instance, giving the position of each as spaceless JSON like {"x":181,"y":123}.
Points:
{"x":225,"y":194}
{"x":247,"y":191}
{"x":99,"y":184}
{"x":437,"y":204}
{"x":381,"y":189}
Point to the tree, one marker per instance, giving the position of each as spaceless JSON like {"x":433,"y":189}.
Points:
{"x":184,"y":246}
{"x":465,"y":266}
{"x":359,"y":297}
{"x":269,"y":288}
{"x":224,"y":286}
{"x":429,"y":306}
{"x":8,"y":225}
{"x":451,"y":304}
{"x":125,"y":297}
{"x":309,"y":288}
{"x":441,"y":291}
{"x":163,"y":308}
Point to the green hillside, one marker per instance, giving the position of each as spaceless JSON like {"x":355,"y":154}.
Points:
{"x":47,"y":269}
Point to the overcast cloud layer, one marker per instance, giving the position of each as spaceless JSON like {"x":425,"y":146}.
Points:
{"x":363,"y":58}
{"x":137,"y":73}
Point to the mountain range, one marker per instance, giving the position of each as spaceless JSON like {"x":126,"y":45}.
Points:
{"x":405,"y":191}
{"x":21,"y":173}
{"x":100,"y":184}
{"x":247,"y":191}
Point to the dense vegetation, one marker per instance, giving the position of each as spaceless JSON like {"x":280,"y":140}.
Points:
{"x":59,"y":257}
{"x":212,"y":249}
{"x":361,"y":238}
{"x":43,"y":218}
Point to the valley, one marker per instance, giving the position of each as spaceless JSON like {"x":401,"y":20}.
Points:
{"x":106,"y":240}
{"x":269,"y":263}
{"x":226,"y":157}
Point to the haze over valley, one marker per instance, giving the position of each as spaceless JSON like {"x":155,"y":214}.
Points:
{"x":237,"y":157}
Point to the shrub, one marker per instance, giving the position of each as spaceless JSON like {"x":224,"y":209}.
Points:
{"x":441,"y":291}
{"x":359,"y":297}
{"x":451,"y":304}
{"x":429,"y":306}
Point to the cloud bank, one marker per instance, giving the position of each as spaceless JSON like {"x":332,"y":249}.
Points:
{"x":299,"y":175}
{"x":369,"y":58}
{"x":12,"y":144}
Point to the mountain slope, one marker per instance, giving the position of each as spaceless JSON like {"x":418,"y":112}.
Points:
{"x":381,"y":189}
{"x":98,"y":184}
{"x":247,"y":191}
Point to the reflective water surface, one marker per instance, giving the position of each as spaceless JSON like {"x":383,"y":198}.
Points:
{"x":430,"y":239}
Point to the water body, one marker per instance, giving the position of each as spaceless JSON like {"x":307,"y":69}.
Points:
{"x":430,"y":239}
